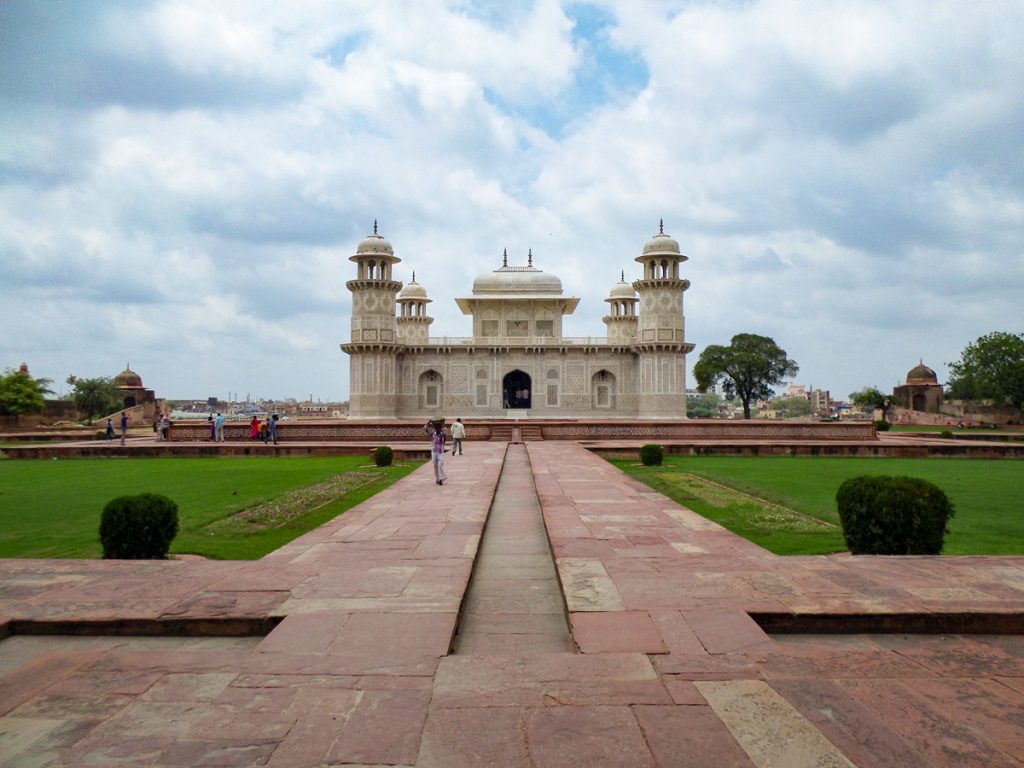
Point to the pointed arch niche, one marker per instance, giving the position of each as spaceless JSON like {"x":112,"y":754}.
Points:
{"x":430,"y":389}
{"x":603,"y":390}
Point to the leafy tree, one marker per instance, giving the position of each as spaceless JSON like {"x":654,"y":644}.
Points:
{"x":992,"y":368}
{"x":870,"y":398}
{"x":702,"y":406}
{"x":790,"y":407}
{"x":95,"y":397}
{"x":748,"y":368}
{"x":20,"y":393}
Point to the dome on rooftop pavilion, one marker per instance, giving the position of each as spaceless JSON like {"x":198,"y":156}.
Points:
{"x":622,"y":290}
{"x":518,"y":280}
{"x":413,"y":290}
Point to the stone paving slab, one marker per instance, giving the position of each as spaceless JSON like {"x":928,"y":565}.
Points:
{"x":670,"y":670}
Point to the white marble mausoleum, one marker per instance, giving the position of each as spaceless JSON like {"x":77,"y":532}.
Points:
{"x":517,"y":363}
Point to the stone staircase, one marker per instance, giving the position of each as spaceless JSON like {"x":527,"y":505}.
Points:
{"x":531,"y":432}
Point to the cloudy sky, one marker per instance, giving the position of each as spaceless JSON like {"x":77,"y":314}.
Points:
{"x":183,"y":181}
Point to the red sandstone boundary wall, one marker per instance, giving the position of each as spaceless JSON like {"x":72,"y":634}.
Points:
{"x":314,"y":430}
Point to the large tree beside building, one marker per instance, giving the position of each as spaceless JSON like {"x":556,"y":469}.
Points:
{"x":871,"y":398}
{"x":94,"y":397}
{"x":748,"y":368}
{"x":991,"y":368}
{"x":21,"y":393}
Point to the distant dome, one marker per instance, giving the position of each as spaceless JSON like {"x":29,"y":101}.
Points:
{"x":622,"y":290}
{"x":128,"y":378}
{"x":921,"y":374}
{"x":374,"y":245}
{"x":413,"y":290}
{"x":661,"y":244}
{"x":517,"y":280}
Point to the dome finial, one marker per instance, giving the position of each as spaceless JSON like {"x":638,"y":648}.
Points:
{"x":661,"y":226}
{"x":375,"y":226}
{"x":504,"y":258}
{"x":623,"y":278}
{"x":414,"y":276}
{"x":529,"y":258}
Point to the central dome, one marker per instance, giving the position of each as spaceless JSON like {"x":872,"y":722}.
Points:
{"x":517,"y":280}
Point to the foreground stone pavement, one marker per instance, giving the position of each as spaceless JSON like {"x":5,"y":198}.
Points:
{"x":670,"y":668}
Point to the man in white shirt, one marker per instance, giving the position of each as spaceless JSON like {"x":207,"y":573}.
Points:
{"x":458,"y":435}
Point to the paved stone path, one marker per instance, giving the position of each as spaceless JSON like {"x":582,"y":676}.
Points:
{"x":670,"y":670}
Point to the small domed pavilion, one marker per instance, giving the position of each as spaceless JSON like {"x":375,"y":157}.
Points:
{"x":921,"y":392}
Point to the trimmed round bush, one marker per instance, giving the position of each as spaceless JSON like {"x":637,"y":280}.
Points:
{"x":893,"y":515}
{"x":651,"y":455}
{"x":139,"y":527}
{"x":882,"y":425}
{"x":383,"y":456}
{"x":946,"y":434}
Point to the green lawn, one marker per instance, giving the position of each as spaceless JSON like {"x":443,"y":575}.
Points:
{"x":52,"y":508}
{"x":988,"y":495}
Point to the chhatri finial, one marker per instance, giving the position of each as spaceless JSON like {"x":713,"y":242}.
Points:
{"x":529,"y":258}
{"x":623,"y":278}
{"x":375,"y":226}
{"x":661,"y":226}
{"x":414,"y":276}
{"x":504,"y":258}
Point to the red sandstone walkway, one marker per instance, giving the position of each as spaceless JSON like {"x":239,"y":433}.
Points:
{"x":671,"y":669}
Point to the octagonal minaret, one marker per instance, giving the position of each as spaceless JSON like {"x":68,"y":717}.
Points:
{"x":661,"y":341}
{"x":413,"y":321}
{"x":373,"y":346}
{"x":622,"y":317}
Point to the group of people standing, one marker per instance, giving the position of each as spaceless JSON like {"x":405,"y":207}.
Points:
{"x":265,"y":431}
{"x":438,"y":435}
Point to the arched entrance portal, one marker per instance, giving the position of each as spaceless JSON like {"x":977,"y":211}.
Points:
{"x":516,"y":390}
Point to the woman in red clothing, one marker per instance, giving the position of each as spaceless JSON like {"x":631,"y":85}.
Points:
{"x":254,"y":428}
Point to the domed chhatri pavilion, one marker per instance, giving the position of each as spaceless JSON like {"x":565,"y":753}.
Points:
{"x":133,"y":394}
{"x":517,"y":362}
{"x":921,"y":392}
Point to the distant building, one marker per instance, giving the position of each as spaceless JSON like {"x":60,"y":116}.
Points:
{"x":922,"y":391}
{"x":517,"y":362}
{"x":133,"y":395}
{"x":821,"y":402}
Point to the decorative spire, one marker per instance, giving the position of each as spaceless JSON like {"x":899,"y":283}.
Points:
{"x":529,"y":258}
{"x":623,"y":278}
{"x":504,"y":258}
{"x":414,"y":276}
{"x":661,"y":227}
{"x":375,"y":226}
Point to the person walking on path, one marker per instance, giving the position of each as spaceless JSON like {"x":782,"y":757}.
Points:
{"x":254,"y":428}
{"x":458,"y":435}
{"x":165,"y":427}
{"x":124,"y":426}
{"x":110,"y":429}
{"x":213,"y":429}
{"x":271,"y":430}
{"x":218,"y":427}
{"x":436,"y":431}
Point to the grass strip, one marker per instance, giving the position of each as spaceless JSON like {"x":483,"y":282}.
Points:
{"x":986,"y":493}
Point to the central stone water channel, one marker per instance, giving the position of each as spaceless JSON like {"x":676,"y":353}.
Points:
{"x":514,"y":604}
